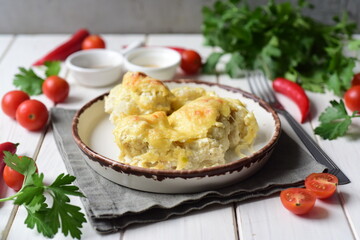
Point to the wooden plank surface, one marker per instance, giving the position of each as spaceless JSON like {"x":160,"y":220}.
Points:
{"x":5,"y":208}
{"x":260,"y":219}
{"x":345,"y":152}
{"x":133,"y":16}
{"x":21,"y":53}
{"x":335,"y":218}
{"x":49,"y":162}
{"x":49,"y":159}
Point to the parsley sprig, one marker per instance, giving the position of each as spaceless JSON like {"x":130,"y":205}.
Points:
{"x":334,"y":121}
{"x":28,"y":81}
{"x":278,"y":39}
{"x":33,"y":195}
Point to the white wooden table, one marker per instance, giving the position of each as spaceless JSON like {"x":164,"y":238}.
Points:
{"x":335,"y":218}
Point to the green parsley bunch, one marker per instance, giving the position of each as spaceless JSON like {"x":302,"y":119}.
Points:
{"x":281,"y":41}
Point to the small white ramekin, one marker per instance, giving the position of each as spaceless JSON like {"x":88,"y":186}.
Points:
{"x":157,"y":62}
{"x":95,"y":67}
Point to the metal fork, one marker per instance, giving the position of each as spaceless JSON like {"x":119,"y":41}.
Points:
{"x":261,"y":88}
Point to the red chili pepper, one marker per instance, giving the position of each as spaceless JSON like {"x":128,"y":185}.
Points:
{"x":295,"y":92}
{"x":61,"y":52}
{"x":178,"y":49}
{"x":6,"y":146}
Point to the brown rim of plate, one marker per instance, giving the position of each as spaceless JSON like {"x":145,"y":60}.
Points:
{"x":161,"y":174}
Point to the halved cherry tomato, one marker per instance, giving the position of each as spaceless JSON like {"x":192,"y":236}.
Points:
{"x":93,"y":41}
{"x":12,"y":100}
{"x":323,"y":185}
{"x":13,"y":178}
{"x":298,"y":200}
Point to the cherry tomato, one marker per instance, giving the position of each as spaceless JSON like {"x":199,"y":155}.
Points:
{"x":352,"y":98}
{"x":323,"y":185}
{"x":6,"y":146}
{"x":12,"y":100}
{"x":32,"y":115}
{"x":93,"y":41}
{"x":298,"y":200}
{"x":56,"y":88}
{"x":356,"y":80}
{"x":13,"y":178}
{"x":190,"y":62}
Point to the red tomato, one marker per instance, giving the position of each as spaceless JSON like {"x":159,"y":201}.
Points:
{"x":93,"y":41}
{"x":32,"y":115}
{"x":298,"y":200}
{"x":323,"y":185}
{"x":356,"y":80}
{"x":12,"y":100}
{"x":56,"y":88}
{"x":352,"y":98}
{"x":6,"y":146}
{"x":190,"y":62}
{"x":13,"y":178}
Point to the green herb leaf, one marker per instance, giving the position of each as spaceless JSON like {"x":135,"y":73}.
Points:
{"x":23,"y":165}
{"x":52,"y":68}
{"x":233,"y":65}
{"x":333,"y":130}
{"x":28,"y":81}
{"x":354,"y":45}
{"x":70,"y":216}
{"x":41,"y":220}
{"x":211,"y":62}
{"x":47,"y":220}
{"x":334,"y":121}
{"x":335,"y":112}
{"x":334,"y":83}
{"x":62,"y":185}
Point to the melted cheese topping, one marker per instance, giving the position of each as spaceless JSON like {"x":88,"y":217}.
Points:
{"x":187,"y":94}
{"x":195,"y":118}
{"x":138,"y":94}
{"x":194,"y":130}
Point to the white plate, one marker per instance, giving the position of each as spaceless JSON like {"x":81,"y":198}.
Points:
{"x":92,"y":131}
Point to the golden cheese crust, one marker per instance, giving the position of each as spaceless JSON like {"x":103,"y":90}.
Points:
{"x":138,"y":94}
{"x":193,"y":131}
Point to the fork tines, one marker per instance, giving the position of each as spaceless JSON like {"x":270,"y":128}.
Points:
{"x":260,"y":86}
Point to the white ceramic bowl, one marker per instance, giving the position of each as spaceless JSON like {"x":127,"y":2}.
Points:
{"x":157,"y":62}
{"x":92,"y":131}
{"x":95,"y":67}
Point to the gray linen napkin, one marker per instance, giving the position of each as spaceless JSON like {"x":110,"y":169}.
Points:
{"x":111,"y":207}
